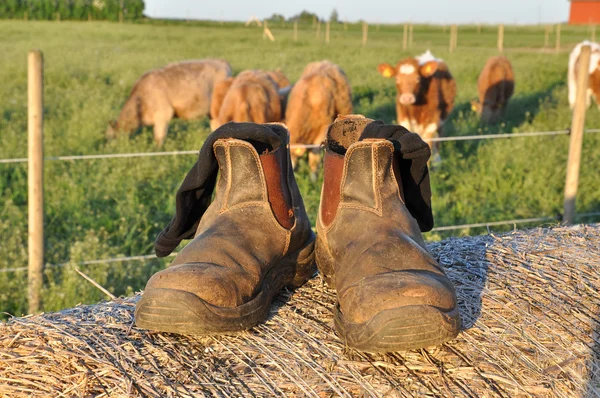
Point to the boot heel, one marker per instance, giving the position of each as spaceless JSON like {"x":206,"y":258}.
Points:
{"x":324,"y":262}
{"x":304,"y":263}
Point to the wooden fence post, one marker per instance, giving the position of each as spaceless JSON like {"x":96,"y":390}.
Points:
{"x":120,"y":16}
{"x":558,"y":38}
{"x":501,"y":38}
{"x":318,"y":30}
{"x":58,"y":17}
{"x":547,"y":36}
{"x":365,"y":33}
{"x":35,"y":181}
{"x":327,"y":27}
{"x":89,"y":16}
{"x":410,"y":35}
{"x":25,"y":15}
{"x":576,"y":138}
{"x":295,"y":30}
{"x":453,"y":37}
{"x":267,"y":31}
{"x":405,"y":37}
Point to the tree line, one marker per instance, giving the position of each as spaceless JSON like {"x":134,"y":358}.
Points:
{"x":71,"y":9}
{"x":305,"y":17}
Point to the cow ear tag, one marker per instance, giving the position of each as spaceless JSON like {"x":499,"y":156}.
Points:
{"x":387,"y":72}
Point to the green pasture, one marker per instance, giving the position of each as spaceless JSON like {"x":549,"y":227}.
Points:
{"x":101,"y":209}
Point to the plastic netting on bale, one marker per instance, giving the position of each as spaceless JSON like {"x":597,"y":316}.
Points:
{"x":529,"y":301}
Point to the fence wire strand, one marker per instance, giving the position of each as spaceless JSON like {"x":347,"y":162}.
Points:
{"x":444,"y":228}
{"x":293,"y":146}
{"x":93,"y":262}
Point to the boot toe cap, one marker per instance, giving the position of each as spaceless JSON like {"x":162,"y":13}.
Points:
{"x":214,"y":284}
{"x":372,"y":295}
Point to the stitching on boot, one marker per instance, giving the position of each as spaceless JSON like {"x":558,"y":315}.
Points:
{"x":376,"y":182}
{"x":224,"y":144}
{"x":288,"y":238}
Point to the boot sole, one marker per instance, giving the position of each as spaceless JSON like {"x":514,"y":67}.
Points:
{"x":178,"y":311}
{"x":400,"y":329}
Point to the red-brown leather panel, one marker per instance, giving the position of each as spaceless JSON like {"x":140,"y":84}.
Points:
{"x":332,"y":175}
{"x":275,"y":170}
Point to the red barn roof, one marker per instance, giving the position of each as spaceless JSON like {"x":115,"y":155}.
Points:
{"x":584,"y":12}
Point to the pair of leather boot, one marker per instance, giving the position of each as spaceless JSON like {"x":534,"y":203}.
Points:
{"x":254,"y":238}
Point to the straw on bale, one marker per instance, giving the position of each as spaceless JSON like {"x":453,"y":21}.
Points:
{"x":529,"y":302}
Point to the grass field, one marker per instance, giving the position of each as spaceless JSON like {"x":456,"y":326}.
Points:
{"x":98,"y":209}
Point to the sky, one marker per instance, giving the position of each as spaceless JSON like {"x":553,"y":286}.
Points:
{"x":373,"y":11}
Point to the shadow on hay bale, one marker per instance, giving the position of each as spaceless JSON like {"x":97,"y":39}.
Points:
{"x":529,"y":302}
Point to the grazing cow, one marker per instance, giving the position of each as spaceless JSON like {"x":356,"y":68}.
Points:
{"x":180,"y":90}
{"x":252,"y":96}
{"x":594,"y":84}
{"x":496,"y":85}
{"x":314,"y":102}
{"x":426,"y":92}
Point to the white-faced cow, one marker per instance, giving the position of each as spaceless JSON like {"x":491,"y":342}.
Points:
{"x":594,"y":70}
{"x":180,"y":90}
{"x":426,"y":92}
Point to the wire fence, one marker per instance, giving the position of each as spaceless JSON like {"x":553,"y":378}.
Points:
{"x":145,"y":257}
{"x":305,"y":146}
{"x":293,"y":146}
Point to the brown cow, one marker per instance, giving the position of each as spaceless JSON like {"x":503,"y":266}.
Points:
{"x":252,"y":96}
{"x":180,"y":90}
{"x":314,"y":102}
{"x":426,"y":92}
{"x":594,"y":70}
{"x":496,"y":85}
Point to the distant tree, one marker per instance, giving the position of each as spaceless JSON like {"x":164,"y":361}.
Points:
{"x":305,"y":17}
{"x":276,"y":18}
{"x":72,"y":9}
{"x":334,"y":17}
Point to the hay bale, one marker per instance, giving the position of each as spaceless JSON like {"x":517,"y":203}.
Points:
{"x":529,"y":301}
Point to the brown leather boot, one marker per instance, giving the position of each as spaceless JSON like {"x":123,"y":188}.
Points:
{"x":392,"y":295}
{"x":253,"y":239}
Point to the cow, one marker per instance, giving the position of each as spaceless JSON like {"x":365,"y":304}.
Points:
{"x":321,"y":93}
{"x":181,"y":90}
{"x":594,"y":70}
{"x":496,"y":84}
{"x":252,"y":96}
{"x":426,"y":92}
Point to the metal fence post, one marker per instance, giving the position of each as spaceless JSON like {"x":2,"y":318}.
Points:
{"x":35,"y":180}
{"x":576,"y":139}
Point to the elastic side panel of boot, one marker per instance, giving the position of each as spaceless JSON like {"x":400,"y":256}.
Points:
{"x":245,"y":173}
{"x":358,"y":187}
